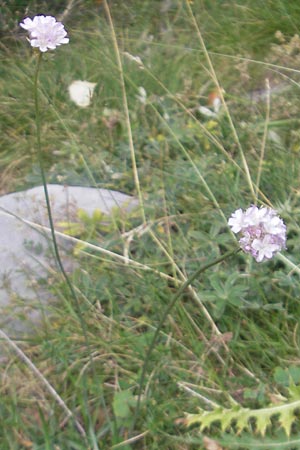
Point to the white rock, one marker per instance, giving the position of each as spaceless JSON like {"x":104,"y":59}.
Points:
{"x":25,"y":253}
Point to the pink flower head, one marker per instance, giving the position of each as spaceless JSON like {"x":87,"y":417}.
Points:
{"x":263,"y":231}
{"x":45,"y":32}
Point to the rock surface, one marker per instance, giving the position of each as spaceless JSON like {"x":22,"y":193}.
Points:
{"x":25,"y":252}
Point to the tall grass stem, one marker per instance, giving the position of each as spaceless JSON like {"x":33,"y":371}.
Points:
{"x":264,"y":139}
{"x":126,"y":111}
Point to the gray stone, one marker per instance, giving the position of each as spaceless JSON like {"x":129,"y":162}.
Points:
{"x":25,"y":252}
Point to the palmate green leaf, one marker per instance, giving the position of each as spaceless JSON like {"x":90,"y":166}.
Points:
{"x":239,"y":418}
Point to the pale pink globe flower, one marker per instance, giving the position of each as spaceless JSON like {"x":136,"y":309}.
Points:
{"x":45,"y":32}
{"x":263,"y":232}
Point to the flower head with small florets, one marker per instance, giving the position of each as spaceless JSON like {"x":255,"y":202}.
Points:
{"x":263,"y":231}
{"x":45,"y":32}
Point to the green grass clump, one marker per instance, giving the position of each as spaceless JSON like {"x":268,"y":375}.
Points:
{"x":234,"y":334}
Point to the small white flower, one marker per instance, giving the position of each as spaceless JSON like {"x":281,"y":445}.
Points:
{"x":45,"y":32}
{"x":81,"y":92}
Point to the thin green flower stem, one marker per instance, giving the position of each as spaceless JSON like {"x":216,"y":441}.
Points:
{"x":53,"y":233}
{"x":217,"y":84}
{"x":44,"y":181}
{"x":164,"y":316}
{"x":183,"y":280}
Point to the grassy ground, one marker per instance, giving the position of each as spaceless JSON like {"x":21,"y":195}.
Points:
{"x":233,"y":336}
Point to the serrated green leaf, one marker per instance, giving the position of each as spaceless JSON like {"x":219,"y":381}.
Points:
{"x":286,"y":419}
{"x":229,"y":417}
{"x":262,"y":423}
{"x":240,"y":417}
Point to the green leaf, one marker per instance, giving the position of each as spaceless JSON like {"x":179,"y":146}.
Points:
{"x":287,"y":376}
{"x":239,"y":418}
{"x":122,"y":403}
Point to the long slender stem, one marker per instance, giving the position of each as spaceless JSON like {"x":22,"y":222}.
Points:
{"x":41,"y":164}
{"x":48,"y":204}
{"x":51,"y":223}
{"x":167,"y":311}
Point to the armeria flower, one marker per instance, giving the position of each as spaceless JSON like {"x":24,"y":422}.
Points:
{"x":45,"y":32}
{"x":263,"y":232}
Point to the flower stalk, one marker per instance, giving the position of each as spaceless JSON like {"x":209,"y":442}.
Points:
{"x":43,"y":175}
{"x":167,"y":311}
{"x":45,"y":33}
{"x":48,"y":204}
